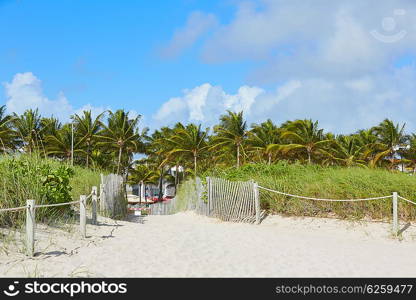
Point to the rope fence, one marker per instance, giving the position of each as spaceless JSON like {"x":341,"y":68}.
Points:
{"x":31,"y":207}
{"x":57,"y":204}
{"x":324,"y":199}
{"x":394,"y":197}
{"x":407,"y":200}
{"x":13,"y":208}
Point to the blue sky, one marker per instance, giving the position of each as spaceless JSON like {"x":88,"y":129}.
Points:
{"x":189,"y":60}
{"x":103,"y":53}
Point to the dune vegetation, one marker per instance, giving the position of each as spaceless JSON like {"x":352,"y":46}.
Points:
{"x":45,"y":180}
{"x":296,"y":156}
{"x":330,"y":182}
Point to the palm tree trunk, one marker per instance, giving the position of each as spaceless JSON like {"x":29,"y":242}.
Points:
{"x":195,"y":163}
{"x":119,"y":160}
{"x":238,"y":156}
{"x":88,"y":154}
{"x":4,"y":147}
{"x":141,"y":192}
{"x":160,"y":185}
{"x":270,"y":159}
{"x":309,"y":156}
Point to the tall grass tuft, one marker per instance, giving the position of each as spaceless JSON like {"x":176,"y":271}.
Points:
{"x":47,"y":181}
{"x":328,"y":182}
{"x":186,"y":195}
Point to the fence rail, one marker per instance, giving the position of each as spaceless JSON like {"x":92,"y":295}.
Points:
{"x":394,"y":196}
{"x":324,"y":199}
{"x":13,"y":208}
{"x":57,"y":204}
{"x":239,"y":201}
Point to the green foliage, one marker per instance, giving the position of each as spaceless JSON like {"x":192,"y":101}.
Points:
{"x":185,"y":195}
{"x":83,"y":180}
{"x":55,"y":183}
{"x":327,"y":182}
{"x":24,"y":177}
{"x":108,"y":142}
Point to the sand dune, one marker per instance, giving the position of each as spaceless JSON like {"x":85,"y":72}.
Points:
{"x":188,"y":245}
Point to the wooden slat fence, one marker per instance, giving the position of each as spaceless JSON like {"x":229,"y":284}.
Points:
{"x":231,"y":201}
{"x":113,"y":200}
{"x":163,"y":208}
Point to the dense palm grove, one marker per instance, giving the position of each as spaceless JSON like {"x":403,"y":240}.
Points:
{"x":111,"y":140}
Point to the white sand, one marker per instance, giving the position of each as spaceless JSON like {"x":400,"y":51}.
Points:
{"x":187,"y":245}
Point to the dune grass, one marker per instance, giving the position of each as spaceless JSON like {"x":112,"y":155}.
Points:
{"x":46,"y":181}
{"x":185,"y":195}
{"x":327,"y":182}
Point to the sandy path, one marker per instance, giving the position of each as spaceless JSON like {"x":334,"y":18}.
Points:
{"x":187,"y":245}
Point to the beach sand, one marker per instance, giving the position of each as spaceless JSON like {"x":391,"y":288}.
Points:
{"x":188,"y":245}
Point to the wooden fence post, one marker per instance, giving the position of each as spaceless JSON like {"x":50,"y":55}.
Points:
{"x":256,"y":201}
{"x":209,"y":196}
{"x":198,"y":194}
{"x":102,"y":196}
{"x":30,"y":227}
{"x":94,"y":205}
{"x":395,"y":215}
{"x":102,"y":192}
{"x":142,"y":192}
{"x":82,"y":215}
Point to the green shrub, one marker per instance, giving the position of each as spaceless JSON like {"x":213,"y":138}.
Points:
{"x":55,"y":184}
{"x":46,"y":181}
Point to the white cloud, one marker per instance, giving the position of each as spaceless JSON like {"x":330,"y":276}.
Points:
{"x":173,"y":108}
{"x":293,"y":39}
{"x":323,"y":60}
{"x":243,"y":100}
{"x":25,"y":92}
{"x":339,"y":106}
{"x":95,"y":110}
{"x":196,"y":100}
{"x":204,"y":104}
{"x":197,"y":24}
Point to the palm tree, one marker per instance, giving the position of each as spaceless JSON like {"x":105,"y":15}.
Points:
{"x":87,"y":128}
{"x":347,"y":151}
{"x":28,"y":127}
{"x":7,"y":134}
{"x":142,"y":174}
{"x":189,"y":140}
{"x":304,"y":136}
{"x":50,"y":126}
{"x":157,"y":151}
{"x":121,"y":134}
{"x":231,"y":133}
{"x":391,"y":139}
{"x":409,"y":154}
{"x":60,"y":144}
{"x":262,"y":136}
{"x":101,"y":159}
{"x":178,"y":160}
{"x":163,"y":174}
